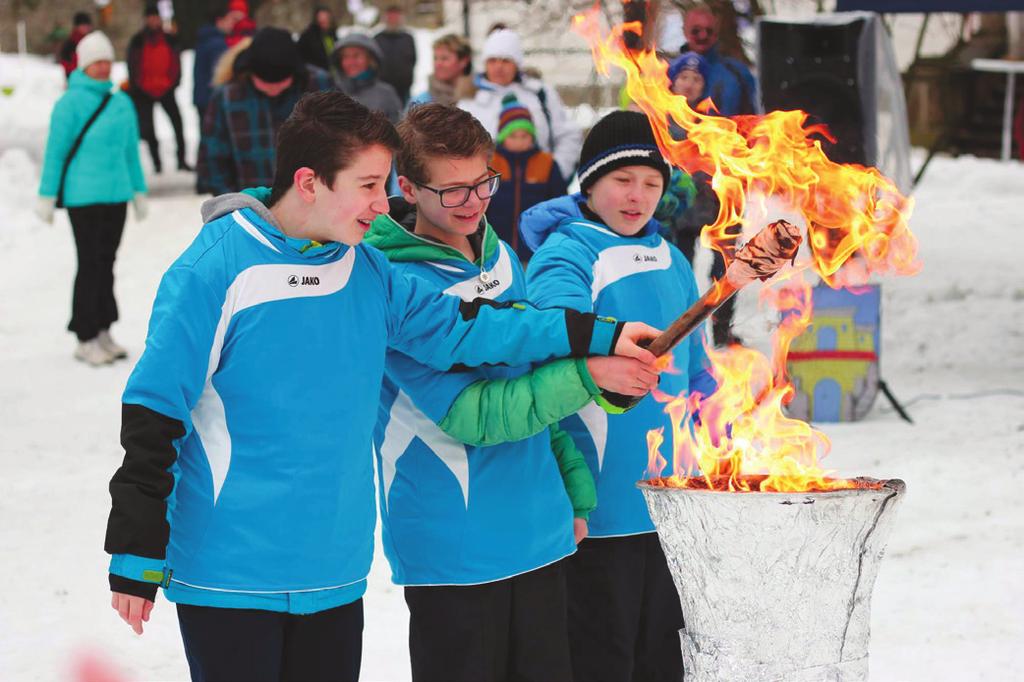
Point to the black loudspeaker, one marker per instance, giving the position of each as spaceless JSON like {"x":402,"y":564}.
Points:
{"x":826,"y":69}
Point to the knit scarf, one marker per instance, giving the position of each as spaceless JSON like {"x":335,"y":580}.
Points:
{"x":441,"y":92}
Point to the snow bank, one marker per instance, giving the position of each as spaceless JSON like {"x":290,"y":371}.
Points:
{"x":34,"y":84}
{"x":19,"y":181}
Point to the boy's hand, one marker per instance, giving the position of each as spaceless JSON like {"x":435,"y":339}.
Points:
{"x":629,"y":346}
{"x":133,"y":610}
{"x":579,"y":529}
{"x":625,"y":376}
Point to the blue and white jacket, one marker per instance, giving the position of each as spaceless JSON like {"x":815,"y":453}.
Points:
{"x":582,"y":264}
{"x":452,"y":513}
{"x":248,"y":421}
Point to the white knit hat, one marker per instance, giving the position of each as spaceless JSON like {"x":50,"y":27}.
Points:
{"x":94,"y":47}
{"x":504,"y":44}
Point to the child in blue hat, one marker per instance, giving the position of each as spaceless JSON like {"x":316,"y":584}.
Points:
{"x":688,"y":76}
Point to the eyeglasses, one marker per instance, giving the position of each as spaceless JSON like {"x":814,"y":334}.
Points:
{"x":453,"y":197}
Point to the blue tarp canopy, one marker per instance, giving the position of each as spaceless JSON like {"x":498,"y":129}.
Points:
{"x":918,"y":6}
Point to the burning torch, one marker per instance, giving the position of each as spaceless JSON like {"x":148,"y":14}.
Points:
{"x":760,"y":258}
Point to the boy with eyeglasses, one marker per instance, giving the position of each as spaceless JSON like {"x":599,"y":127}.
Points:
{"x":480,"y":500}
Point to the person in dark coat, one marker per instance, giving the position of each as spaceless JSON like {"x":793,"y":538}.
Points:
{"x":689,"y":203}
{"x":81,"y":27}
{"x":358,"y":58}
{"x":316,"y":43}
{"x":730,"y":84}
{"x":399,"y":53}
{"x":528,"y":175}
{"x":154,"y":71}
{"x":211,"y":42}
{"x":243,"y":116}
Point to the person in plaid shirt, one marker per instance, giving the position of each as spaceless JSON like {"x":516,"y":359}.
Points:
{"x":243,"y":116}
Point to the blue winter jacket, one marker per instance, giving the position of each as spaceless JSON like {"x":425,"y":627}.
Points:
{"x":210,"y":45}
{"x":106,"y":168}
{"x":730,"y":85}
{"x":582,"y":264}
{"x":452,"y":513}
{"x":248,"y":420}
{"x":422,"y":98}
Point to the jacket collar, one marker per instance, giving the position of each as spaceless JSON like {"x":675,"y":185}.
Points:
{"x":81,"y":80}
{"x":261,"y":224}
{"x":539,"y":222}
{"x":392,"y":233}
{"x":517,"y":156}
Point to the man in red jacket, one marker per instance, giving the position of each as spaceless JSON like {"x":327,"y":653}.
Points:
{"x":81,"y":27}
{"x":154,"y":71}
{"x":245,"y":27}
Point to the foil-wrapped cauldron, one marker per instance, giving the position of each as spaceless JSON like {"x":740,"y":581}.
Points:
{"x":775,"y":586}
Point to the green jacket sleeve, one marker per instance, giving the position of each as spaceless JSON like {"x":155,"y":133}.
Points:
{"x":576,"y":476}
{"x":489,"y":412}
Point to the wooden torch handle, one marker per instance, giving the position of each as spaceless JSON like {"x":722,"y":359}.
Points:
{"x":760,"y":258}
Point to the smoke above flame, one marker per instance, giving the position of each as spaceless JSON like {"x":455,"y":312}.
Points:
{"x":856,"y":223}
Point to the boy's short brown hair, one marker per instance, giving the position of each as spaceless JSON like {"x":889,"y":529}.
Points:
{"x":324,"y":133}
{"x":436,"y":130}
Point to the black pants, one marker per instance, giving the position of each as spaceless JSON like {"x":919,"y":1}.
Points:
{"x":97,"y":229}
{"x":257,"y":646}
{"x":147,"y":131}
{"x":624,"y":615}
{"x":513,"y":629}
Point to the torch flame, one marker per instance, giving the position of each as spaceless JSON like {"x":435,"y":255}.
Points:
{"x":738,"y":438}
{"x":848,"y":208}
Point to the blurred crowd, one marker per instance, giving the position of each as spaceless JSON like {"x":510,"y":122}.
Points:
{"x":247,"y":79}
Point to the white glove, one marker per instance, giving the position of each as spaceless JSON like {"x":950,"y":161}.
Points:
{"x":141,"y":206}
{"x":44,"y":208}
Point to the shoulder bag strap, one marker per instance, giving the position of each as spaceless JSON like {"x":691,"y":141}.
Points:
{"x":76,"y":145}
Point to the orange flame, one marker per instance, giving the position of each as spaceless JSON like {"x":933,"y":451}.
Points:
{"x":739,"y":438}
{"x":848,"y":208}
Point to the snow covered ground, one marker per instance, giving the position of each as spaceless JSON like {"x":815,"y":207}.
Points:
{"x":949,"y":602}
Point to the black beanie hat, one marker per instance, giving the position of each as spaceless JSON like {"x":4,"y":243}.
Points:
{"x":622,"y":138}
{"x":273,"y":55}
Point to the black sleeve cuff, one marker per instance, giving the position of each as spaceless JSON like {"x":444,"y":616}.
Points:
{"x":615,"y":337}
{"x":135,"y":588}
{"x":579,"y":328}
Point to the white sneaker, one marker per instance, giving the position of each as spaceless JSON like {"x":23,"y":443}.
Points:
{"x":93,"y":353}
{"x":108,"y":344}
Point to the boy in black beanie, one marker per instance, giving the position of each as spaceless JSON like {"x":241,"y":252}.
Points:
{"x":601,"y":251}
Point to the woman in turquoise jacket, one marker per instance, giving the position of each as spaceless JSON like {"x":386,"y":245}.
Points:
{"x":102,"y":177}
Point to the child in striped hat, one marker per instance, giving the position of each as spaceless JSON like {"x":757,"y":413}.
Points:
{"x":528,"y":174}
